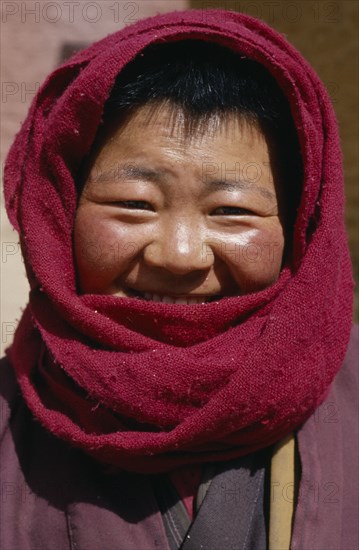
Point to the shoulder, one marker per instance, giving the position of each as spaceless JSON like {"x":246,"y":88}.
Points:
{"x":351,"y":358}
{"x":327,"y":508}
{"x":345,"y":388}
{"x":9,"y":393}
{"x":345,"y":385}
{"x":341,"y":405}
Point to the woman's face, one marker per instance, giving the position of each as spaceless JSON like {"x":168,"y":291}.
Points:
{"x":175,"y":218}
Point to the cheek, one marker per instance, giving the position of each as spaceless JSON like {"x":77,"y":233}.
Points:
{"x":255,"y":258}
{"x":103,"y":251}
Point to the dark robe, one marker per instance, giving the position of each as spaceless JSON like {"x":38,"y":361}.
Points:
{"x":55,"y":497}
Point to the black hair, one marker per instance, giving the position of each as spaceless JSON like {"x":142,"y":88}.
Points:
{"x":203,"y":78}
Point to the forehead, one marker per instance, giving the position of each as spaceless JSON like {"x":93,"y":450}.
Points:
{"x":163,"y":127}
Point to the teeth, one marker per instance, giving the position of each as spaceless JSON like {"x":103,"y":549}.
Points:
{"x":167,"y":300}
{"x":172,"y":300}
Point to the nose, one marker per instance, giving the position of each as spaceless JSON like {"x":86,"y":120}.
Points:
{"x":180,"y":248}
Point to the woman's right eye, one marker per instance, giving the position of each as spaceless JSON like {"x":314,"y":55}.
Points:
{"x":135,"y":205}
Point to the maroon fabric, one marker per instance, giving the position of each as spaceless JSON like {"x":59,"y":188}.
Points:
{"x":55,"y":497}
{"x":149,"y":386}
{"x":187,"y":480}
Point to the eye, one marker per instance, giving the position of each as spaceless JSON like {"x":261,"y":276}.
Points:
{"x":135,"y":205}
{"x":231,"y":211}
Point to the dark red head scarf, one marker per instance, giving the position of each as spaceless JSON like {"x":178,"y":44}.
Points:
{"x":148,"y":386}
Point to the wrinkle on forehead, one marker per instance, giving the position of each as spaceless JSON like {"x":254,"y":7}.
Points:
{"x":177,"y":122}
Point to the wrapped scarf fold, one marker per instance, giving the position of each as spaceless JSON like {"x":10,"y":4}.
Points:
{"x":147,"y":386}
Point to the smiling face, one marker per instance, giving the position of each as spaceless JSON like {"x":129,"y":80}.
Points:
{"x":178,"y":218}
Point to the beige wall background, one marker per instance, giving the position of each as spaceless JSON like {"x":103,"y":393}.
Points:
{"x":327,"y":34}
{"x":36,"y":34}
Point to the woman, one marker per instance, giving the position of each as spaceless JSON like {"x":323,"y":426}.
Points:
{"x":185,"y":349}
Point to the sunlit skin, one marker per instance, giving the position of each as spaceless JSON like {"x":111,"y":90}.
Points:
{"x":178,"y":216}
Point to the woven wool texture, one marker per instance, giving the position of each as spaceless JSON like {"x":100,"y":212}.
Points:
{"x":147,"y":386}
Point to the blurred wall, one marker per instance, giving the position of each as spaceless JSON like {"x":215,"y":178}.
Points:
{"x":326,"y":33}
{"x":35,"y":37}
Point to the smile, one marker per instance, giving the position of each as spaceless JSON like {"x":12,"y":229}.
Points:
{"x":166,"y":299}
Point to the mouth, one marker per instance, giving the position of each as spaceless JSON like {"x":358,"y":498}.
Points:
{"x":188,"y":299}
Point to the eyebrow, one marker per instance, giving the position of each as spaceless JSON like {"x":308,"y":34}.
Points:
{"x":122,"y":172}
{"x":160,"y":177}
{"x":239,"y":184}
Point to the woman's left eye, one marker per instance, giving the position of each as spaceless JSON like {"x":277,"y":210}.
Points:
{"x":136,"y":205}
{"x":231,"y":211}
